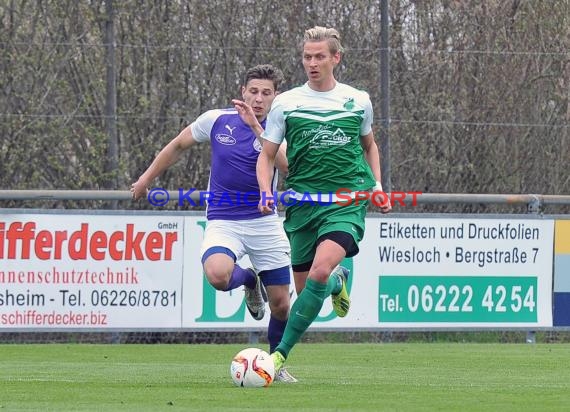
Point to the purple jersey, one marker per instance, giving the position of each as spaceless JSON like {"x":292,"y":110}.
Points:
{"x":233,"y":188}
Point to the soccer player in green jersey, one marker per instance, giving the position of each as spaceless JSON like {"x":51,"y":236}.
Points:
{"x":330,"y":147}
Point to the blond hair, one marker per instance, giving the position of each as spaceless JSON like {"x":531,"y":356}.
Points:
{"x":319,"y":33}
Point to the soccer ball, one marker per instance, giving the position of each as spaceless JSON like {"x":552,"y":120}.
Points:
{"x":252,"y":368}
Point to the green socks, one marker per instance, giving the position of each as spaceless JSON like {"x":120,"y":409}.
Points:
{"x":303,"y":312}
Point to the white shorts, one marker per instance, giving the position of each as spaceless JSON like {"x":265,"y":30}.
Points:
{"x":262,"y":239}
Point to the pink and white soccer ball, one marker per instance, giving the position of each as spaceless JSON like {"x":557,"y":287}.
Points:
{"x":252,"y":368}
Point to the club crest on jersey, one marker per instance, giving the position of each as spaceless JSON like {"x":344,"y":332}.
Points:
{"x":225,"y":139}
{"x":257,"y":145}
{"x":349,"y":104}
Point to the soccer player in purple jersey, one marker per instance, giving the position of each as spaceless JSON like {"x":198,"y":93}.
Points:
{"x":235,"y":225}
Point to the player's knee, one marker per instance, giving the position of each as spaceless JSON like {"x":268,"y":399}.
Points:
{"x":218,"y":284}
{"x":281,"y":313}
{"x":280,"y":309}
{"x":320,"y":272}
{"x":219,"y":281}
{"x":279,"y":303}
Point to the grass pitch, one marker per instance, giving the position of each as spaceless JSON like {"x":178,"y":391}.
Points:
{"x":343,"y":377}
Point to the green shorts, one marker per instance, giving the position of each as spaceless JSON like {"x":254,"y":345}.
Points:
{"x":305,"y":223}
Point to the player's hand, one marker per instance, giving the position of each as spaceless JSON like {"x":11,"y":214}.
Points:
{"x":266,"y":205}
{"x":385,"y":205}
{"x":139,"y":190}
{"x":246,"y":112}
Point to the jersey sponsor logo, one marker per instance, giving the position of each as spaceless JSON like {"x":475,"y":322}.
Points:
{"x":325,"y":136}
{"x":225,"y":139}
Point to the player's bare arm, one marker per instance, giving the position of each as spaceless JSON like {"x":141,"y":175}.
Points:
{"x":373,"y":159}
{"x":168,"y":156}
{"x":265,"y":165}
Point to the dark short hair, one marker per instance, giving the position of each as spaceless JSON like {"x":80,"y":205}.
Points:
{"x":264,"y":72}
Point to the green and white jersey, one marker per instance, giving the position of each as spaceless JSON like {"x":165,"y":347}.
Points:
{"x":323,"y":130}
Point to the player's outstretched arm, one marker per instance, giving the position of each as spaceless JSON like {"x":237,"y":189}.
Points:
{"x":169,"y":155}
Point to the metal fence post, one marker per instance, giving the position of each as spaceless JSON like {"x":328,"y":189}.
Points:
{"x":534,"y":207}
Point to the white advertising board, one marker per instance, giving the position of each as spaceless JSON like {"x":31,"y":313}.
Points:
{"x":90,"y":271}
{"x":127,"y":272}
